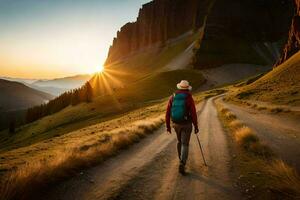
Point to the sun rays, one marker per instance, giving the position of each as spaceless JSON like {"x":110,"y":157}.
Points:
{"x":108,"y":82}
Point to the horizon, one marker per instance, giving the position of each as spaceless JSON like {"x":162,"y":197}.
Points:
{"x":59,"y":39}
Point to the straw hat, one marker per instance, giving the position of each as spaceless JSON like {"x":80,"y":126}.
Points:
{"x":184,"y":85}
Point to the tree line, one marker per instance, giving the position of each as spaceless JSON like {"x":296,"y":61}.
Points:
{"x":72,"y":97}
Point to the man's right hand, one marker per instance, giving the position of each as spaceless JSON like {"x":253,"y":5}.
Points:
{"x":196,"y":130}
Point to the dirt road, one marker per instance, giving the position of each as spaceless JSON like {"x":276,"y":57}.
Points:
{"x":149,"y":169}
{"x":280,"y":132}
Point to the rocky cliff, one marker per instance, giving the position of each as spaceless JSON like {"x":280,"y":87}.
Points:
{"x":234,"y":27}
{"x":293,"y":43}
{"x":234,"y":20}
{"x":158,"y":21}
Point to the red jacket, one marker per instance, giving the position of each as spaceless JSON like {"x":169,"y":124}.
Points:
{"x":190,"y":105}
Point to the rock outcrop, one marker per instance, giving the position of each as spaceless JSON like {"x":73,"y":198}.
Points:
{"x":234,"y":26}
{"x":293,"y":43}
{"x":158,"y":21}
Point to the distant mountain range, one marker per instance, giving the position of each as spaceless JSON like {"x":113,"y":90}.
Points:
{"x":54,"y":87}
{"x":20,"y":80}
{"x":66,"y":82}
{"x":17,"y":96}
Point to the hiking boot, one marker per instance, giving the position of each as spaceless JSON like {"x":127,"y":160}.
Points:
{"x":181,"y":168}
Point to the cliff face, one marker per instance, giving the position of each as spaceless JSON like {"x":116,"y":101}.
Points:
{"x":293,"y":43}
{"x":265,"y":20}
{"x":158,"y":21}
{"x":234,"y":26}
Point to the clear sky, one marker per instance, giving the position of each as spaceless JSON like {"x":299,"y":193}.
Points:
{"x":57,"y":38}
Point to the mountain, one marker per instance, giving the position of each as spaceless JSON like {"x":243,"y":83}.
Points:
{"x":293,"y":44}
{"x":234,"y":34}
{"x":69,"y":82}
{"x":224,"y":24}
{"x":16,"y":96}
{"x":55,"y":91}
{"x":60,"y":85}
{"x":157,"y":22}
{"x":20,"y":80}
{"x":54,"y":87}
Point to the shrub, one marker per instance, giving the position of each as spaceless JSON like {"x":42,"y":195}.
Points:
{"x":286,"y":178}
{"x":236,"y":124}
{"x":245,"y":137}
{"x":230,"y":116}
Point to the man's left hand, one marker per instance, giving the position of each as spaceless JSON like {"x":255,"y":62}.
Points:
{"x":196,"y":130}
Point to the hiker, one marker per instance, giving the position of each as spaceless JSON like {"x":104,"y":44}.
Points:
{"x":181,"y":110}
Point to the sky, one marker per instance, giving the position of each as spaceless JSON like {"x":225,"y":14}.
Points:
{"x":57,"y":38}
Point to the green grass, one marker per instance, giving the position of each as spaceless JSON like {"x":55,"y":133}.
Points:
{"x":159,"y":85}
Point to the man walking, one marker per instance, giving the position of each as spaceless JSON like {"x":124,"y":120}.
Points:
{"x":181,"y":109}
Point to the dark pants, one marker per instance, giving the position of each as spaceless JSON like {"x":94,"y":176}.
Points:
{"x":183,"y":132}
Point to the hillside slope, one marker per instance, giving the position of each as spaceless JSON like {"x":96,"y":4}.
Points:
{"x":152,"y":88}
{"x":280,"y":86}
{"x":15,"y":96}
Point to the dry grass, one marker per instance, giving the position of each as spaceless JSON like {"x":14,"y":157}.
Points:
{"x":260,"y":106}
{"x":242,"y":134}
{"x":245,"y":137}
{"x":236,"y":124}
{"x":22,"y":182}
{"x":279,"y":86}
{"x":276,"y":174}
{"x":287,"y":179}
{"x":230,"y":116}
{"x":224,"y":110}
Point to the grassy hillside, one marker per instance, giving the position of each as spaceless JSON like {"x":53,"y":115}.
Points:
{"x":138,"y":94}
{"x":280,"y":86}
{"x":131,"y":100}
{"x":124,"y":86}
{"x":59,"y":157}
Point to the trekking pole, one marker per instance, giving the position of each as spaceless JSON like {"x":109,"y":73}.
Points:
{"x":201,"y":150}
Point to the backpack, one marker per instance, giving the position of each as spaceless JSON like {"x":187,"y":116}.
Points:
{"x":178,"y":110}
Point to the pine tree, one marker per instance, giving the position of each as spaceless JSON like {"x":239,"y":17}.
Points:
{"x":89,"y":92}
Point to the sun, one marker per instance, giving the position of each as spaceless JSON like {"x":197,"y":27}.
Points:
{"x":101,"y":68}
{"x":96,"y":69}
